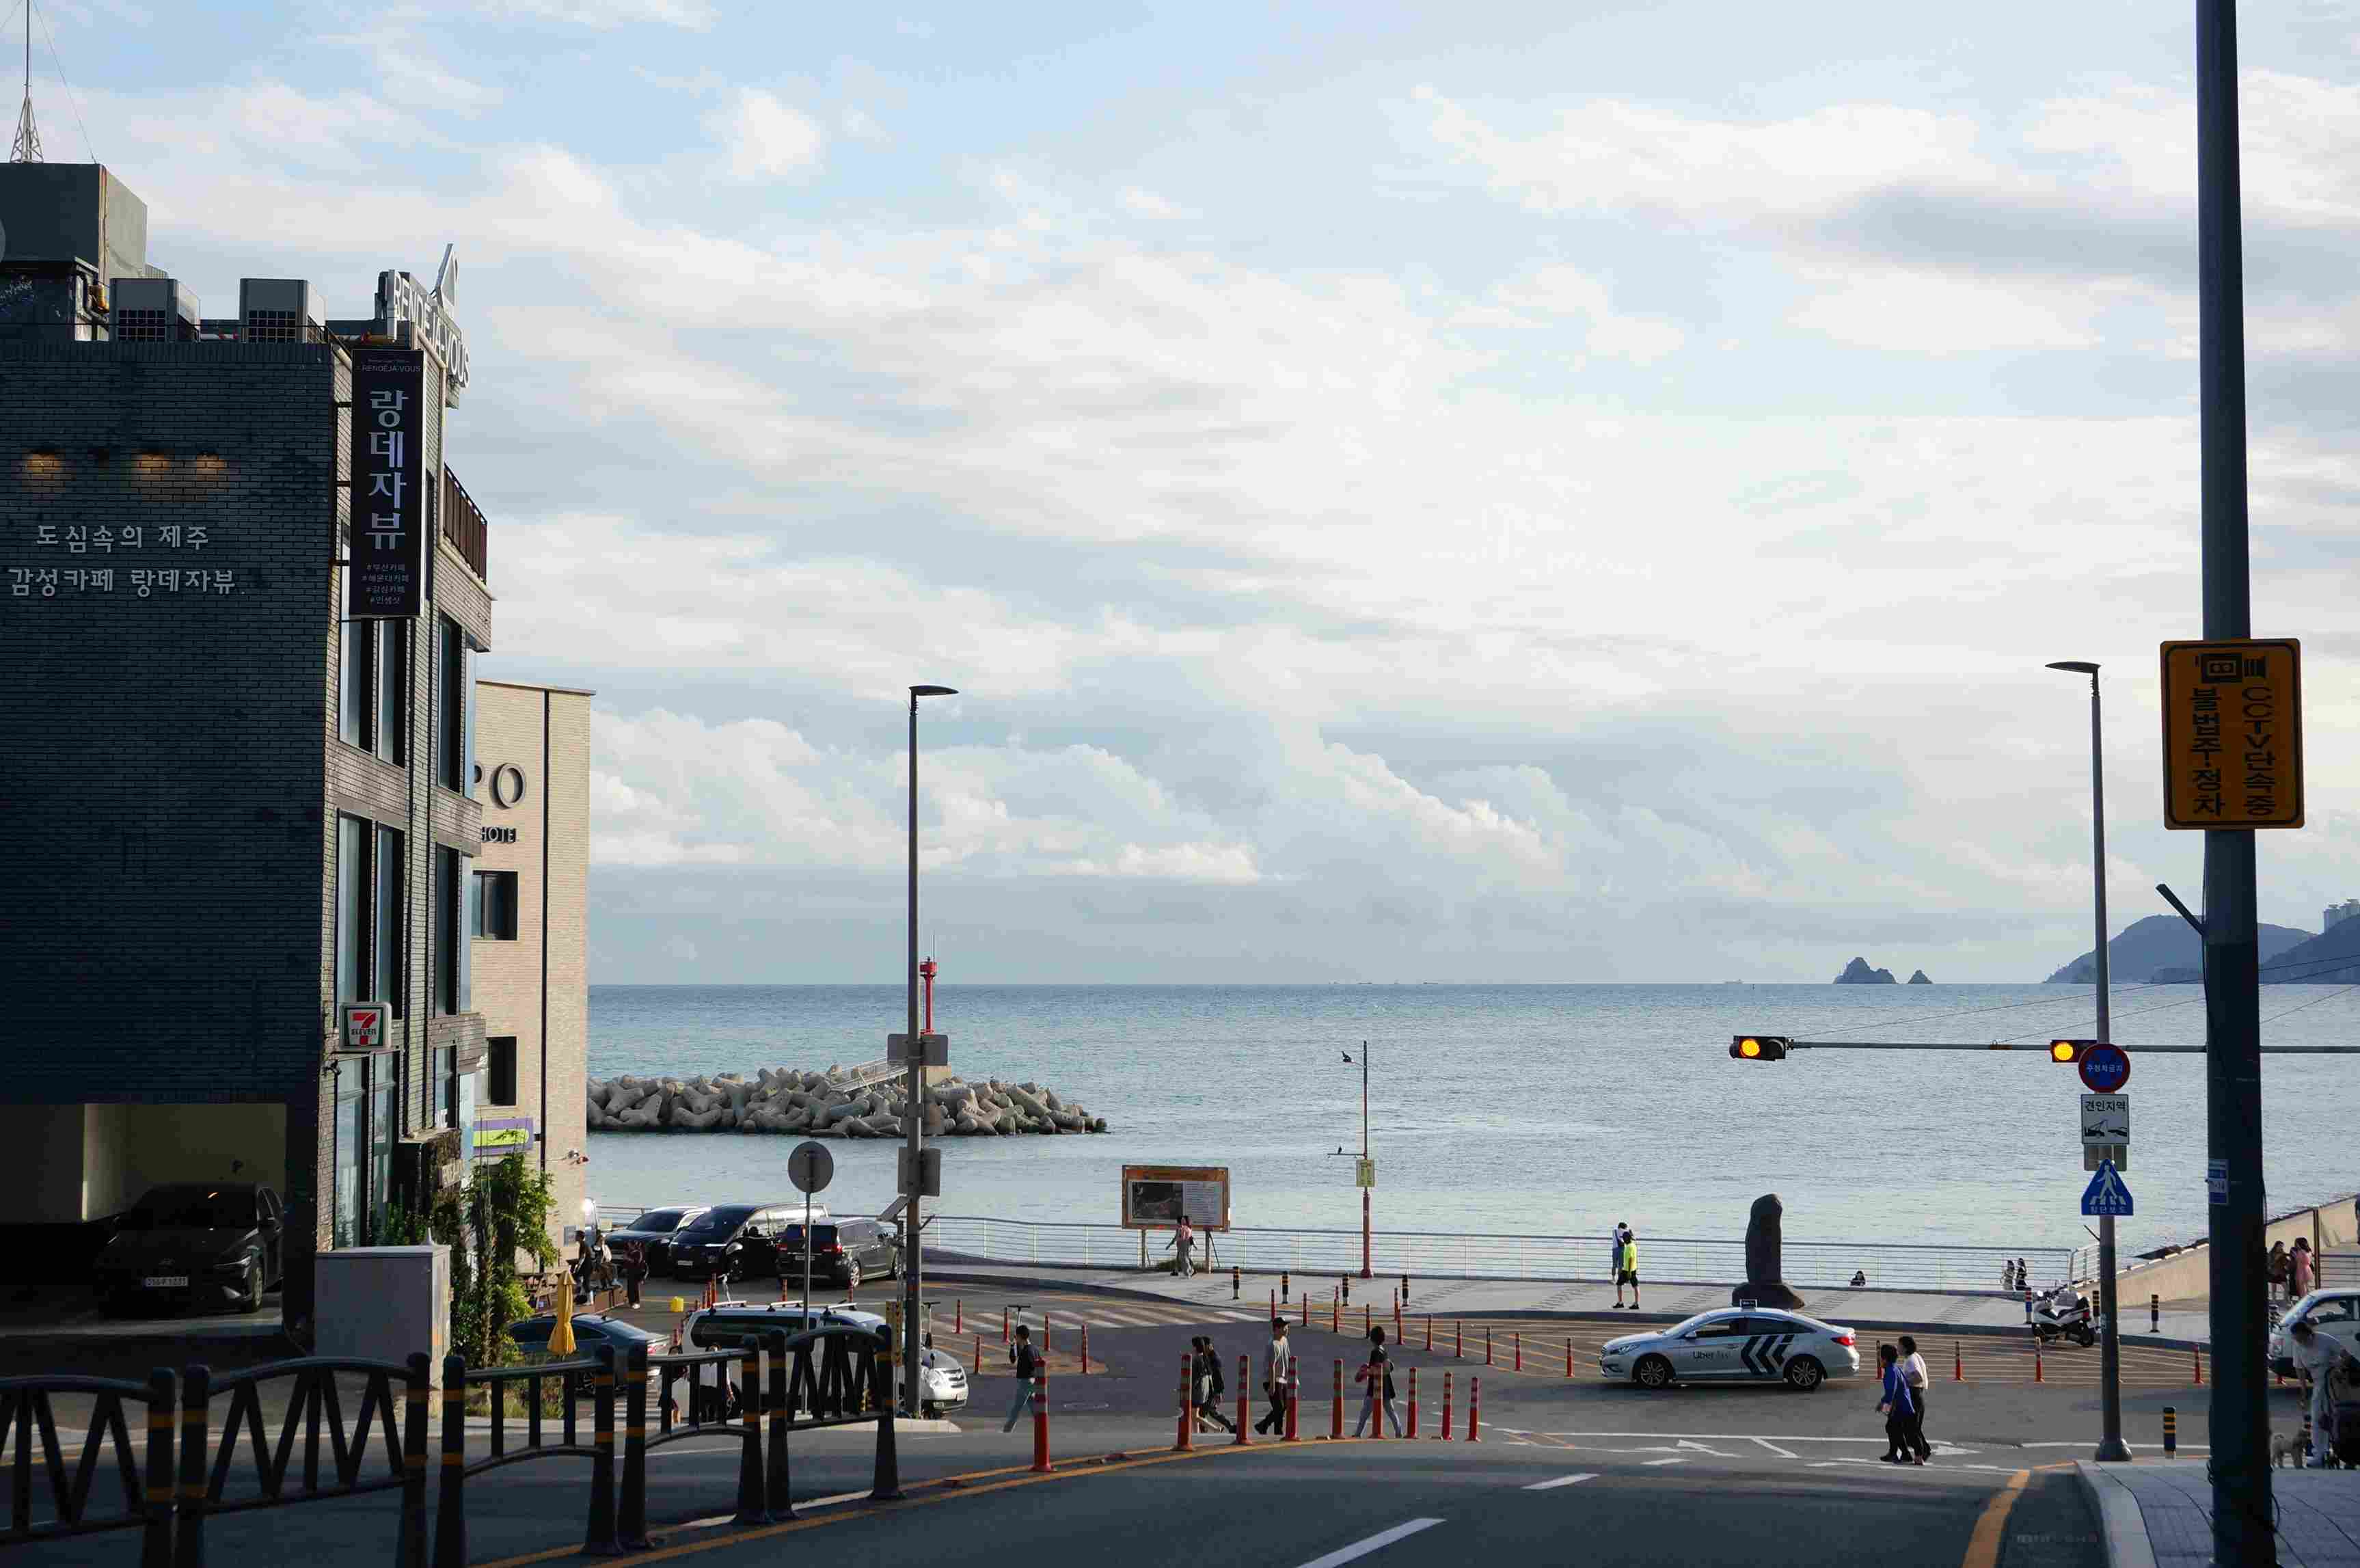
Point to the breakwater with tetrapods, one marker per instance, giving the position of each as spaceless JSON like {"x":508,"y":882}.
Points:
{"x":862,"y":1104}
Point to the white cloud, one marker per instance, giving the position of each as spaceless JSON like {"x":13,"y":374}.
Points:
{"x":606,"y":15}
{"x":1558,"y":290}
{"x":766,"y":137}
{"x":1146,"y":203}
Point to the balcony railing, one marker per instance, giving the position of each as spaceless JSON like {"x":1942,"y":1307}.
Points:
{"x":463,"y":524}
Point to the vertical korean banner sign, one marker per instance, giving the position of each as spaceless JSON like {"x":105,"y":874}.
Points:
{"x":386,"y":580}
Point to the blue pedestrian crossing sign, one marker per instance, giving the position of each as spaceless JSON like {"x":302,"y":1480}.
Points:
{"x":2106,"y":1194}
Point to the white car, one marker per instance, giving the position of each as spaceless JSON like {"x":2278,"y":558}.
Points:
{"x":1734,"y":1343}
{"x":2335,"y":1313}
{"x":942,"y":1383}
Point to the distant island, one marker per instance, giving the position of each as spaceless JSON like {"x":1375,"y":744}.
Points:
{"x":1857,"y":972}
{"x":2162,"y":950}
{"x":1919,"y":978}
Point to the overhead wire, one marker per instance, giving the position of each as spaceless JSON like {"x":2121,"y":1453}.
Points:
{"x":72,"y":102}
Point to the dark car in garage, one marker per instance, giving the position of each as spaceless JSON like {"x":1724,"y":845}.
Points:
{"x":202,"y":1245}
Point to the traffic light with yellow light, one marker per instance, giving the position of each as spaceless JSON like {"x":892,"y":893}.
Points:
{"x":2067,"y":1051}
{"x":1759,"y":1047}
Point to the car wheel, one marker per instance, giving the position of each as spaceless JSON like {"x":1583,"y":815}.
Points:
{"x":894,"y":1272}
{"x":1652,"y":1372}
{"x":1805,"y":1373}
{"x":852,"y":1277}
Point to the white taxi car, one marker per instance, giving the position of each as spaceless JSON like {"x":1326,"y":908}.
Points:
{"x":1732,"y":1345}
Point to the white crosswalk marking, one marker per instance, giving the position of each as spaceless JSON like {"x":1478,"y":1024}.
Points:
{"x":1562,"y":1481}
{"x":1383,"y":1538}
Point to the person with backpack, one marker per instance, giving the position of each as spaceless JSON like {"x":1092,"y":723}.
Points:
{"x":1209,"y":1386}
{"x":1028,"y":1372}
{"x":1377,"y":1374}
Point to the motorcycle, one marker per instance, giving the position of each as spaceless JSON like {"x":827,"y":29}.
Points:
{"x":2055,"y":1318}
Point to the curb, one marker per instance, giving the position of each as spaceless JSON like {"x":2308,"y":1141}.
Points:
{"x":1897,"y":1325}
{"x":2119,"y":1518}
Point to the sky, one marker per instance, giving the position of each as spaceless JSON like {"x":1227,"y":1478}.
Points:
{"x":1482,"y":492}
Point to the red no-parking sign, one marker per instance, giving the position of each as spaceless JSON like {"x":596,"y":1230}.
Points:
{"x":2105,"y":1068}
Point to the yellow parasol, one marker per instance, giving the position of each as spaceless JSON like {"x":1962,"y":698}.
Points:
{"x":560,"y":1338}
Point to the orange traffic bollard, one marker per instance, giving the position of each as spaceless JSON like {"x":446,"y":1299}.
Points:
{"x":1958,"y":1363}
{"x":1397,"y":1333}
{"x":1185,"y":1440}
{"x":1003,"y":1325}
{"x":1412,"y":1401}
{"x":1430,"y":1330}
{"x":1474,"y":1401}
{"x":1335,"y":1313}
{"x":1274,"y":1306}
{"x":1294,"y":1406}
{"x":1307,"y":1309}
{"x":1569,"y":1358}
{"x":1085,"y":1347}
{"x":1364,"y":1320}
{"x":1486,"y":1344}
{"x":959,"y":1316}
{"x":1445,"y":1405}
{"x":1245,"y":1374}
{"x":1520,"y":1350}
{"x":2036,"y":1377}
{"x":1458,"y":1337}
{"x":1044,"y":1336}
{"x":978,"y":1352}
{"x":2199,"y":1352}
{"x":1041,"y":1421}
{"x":1336,"y":1421}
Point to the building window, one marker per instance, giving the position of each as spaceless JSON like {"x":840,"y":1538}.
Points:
{"x":372,"y":688}
{"x":450,"y":966}
{"x":388,"y":916}
{"x":494,"y":905}
{"x":353,"y":685}
{"x":351,"y":911}
{"x":500,"y":1070}
{"x":391,"y":737}
{"x":453,"y":694}
{"x":380,"y":1160}
{"x":344,"y":1227}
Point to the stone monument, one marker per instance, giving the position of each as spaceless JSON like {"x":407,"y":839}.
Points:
{"x":1764,"y":1241}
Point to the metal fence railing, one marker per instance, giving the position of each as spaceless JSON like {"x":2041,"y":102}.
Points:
{"x":1670,"y":1260}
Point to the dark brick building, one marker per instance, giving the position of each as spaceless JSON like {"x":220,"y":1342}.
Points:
{"x":222,"y":808}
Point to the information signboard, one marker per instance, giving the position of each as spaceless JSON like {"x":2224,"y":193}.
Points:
{"x":2233,"y":733}
{"x":1155,"y":1196}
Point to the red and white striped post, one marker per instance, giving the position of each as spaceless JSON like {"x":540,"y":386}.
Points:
{"x":1336,"y":1421}
{"x":1041,"y":1421}
{"x":1446,"y":1405}
{"x":1293,"y":1392}
{"x":1569,"y":1358}
{"x":1486,"y":1344}
{"x":1430,"y":1330}
{"x":1412,"y":1401}
{"x":1085,"y":1347}
{"x":1520,"y":1350}
{"x":959,"y":1316}
{"x":1474,"y":1403}
{"x":1458,"y":1337}
{"x":1003,"y":1325}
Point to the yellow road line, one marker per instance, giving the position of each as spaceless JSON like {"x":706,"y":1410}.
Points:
{"x":1982,"y":1547}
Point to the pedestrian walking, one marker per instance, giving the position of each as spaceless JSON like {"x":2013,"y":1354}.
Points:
{"x":1377,"y":1375}
{"x":2302,"y":1270}
{"x":1895,"y":1404}
{"x":2277,"y":1269}
{"x":2316,"y":1357}
{"x":1626,"y":1268}
{"x":1277,"y":1377}
{"x":1614,"y":1254}
{"x":1913,"y":1370}
{"x":1209,"y":1387}
{"x":633,"y":1260}
{"x":1028,"y":1372}
{"x":2008,"y":1277}
{"x":1183,"y":1241}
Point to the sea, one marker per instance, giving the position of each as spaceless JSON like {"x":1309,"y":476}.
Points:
{"x":1551,"y":1110}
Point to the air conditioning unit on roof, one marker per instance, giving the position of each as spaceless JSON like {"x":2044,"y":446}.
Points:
{"x":154,"y":310}
{"x":278,"y":310}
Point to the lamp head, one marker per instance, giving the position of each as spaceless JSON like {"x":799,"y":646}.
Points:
{"x":933,"y":691}
{"x":2078,"y":666}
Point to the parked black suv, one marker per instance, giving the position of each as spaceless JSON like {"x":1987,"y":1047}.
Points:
{"x":844,"y":1252}
{"x":195,"y":1244}
{"x":731,"y":1241}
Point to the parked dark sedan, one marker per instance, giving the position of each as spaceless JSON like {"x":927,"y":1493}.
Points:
{"x":652,"y":1229}
{"x":731,"y":1241}
{"x":844,"y":1252}
{"x":195,"y":1244}
{"x":591,"y":1330}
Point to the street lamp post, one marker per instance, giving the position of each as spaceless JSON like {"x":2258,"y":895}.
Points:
{"x":1361,"y":1172}
{"x":2111,"y":1446}
{"x":913,"y":1111}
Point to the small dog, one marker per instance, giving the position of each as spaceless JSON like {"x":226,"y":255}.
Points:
{"x":2285,"y":1448}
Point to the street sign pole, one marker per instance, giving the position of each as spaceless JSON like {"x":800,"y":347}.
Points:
{"x":2243,"y":1508}
{"x":2111,"y":1446}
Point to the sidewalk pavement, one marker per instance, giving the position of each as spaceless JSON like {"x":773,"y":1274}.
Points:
{"x":1958,"y":1311}
{"x":2158,"y":1514}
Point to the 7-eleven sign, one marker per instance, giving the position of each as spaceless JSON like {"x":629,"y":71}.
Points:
{"x":363,"y":1026}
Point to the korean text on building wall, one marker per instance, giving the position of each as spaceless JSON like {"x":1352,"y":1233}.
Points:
{"x":2232,"y":734}
{"x":387,"y":579}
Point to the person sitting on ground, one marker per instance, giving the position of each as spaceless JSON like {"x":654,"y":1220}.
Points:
{"x":1859,"y":1278}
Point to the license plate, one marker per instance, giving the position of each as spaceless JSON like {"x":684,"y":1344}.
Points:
{"x":163,"y":1281}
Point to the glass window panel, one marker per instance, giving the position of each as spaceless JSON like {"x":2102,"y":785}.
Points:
{"x":389,"y":917}
{"x":344,"y":1225}
{"x":392,"y":690}
{"x":381,"y":1171}
{"x":352,"y":683}
{"x":500,"y":1070}
{"x":350,"y":893}
{"x":449,"y":705}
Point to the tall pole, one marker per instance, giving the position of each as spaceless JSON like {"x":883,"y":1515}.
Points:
{"x":2243,"y":1508}
{"x":2111,"y":1446}
{"x":1366,"y":1192}
{"x":913,"y":1118}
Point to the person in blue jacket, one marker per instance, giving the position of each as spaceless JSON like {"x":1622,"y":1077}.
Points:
{"x":1900,"y":1409}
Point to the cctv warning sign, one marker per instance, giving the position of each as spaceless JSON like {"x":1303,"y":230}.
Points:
{"x":2232,"y":734}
